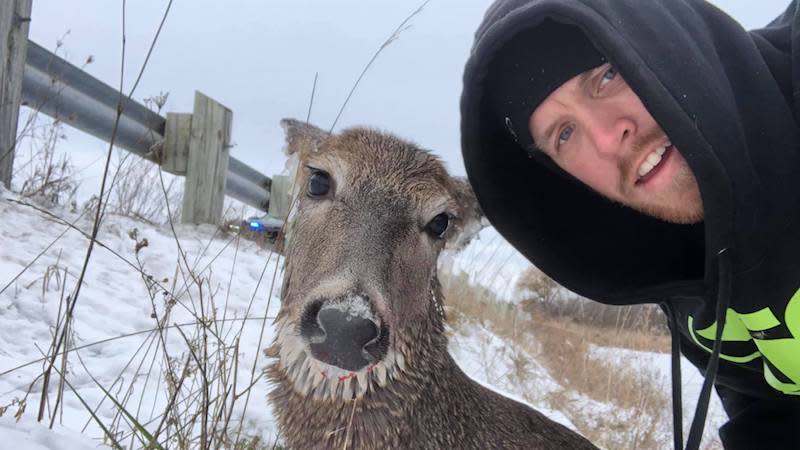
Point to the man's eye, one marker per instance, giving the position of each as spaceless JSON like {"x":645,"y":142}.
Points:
{"x":608,"y":76}
{"x":565,"y":134}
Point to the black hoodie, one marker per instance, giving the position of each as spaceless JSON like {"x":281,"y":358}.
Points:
{"x":726,"y":99}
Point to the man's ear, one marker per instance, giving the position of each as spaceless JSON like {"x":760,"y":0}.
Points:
{"x":472,"y":219}
{"x":302,"y":137}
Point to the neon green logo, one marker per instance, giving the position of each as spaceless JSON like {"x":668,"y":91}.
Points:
{"x":778,"y":344}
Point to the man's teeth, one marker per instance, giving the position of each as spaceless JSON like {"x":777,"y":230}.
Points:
{"x":652,"y":160}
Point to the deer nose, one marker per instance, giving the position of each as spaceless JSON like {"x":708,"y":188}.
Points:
{"x":341,"y":333}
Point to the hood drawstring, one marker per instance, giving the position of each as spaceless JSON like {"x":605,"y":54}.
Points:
{"x":677,"y":385}
{"x":699,"y":421}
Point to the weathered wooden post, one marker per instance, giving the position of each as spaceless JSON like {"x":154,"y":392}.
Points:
{"x":197,"y":145}
{"x":280,"y":204}
{"x":177,"y":135}
{"x":280,"y":197}
{"x":15,"y":16}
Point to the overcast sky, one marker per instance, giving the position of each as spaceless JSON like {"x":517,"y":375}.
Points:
{"x":259,"y":58}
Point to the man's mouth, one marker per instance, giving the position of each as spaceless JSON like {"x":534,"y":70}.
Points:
{"x":653,"y":163}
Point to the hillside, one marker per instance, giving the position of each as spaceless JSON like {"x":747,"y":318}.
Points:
{"x":138,"y":279}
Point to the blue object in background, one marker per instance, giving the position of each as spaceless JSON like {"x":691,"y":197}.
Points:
{"x":265,"y":224}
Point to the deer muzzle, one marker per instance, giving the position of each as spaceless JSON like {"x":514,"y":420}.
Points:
{"x":345,"y":332}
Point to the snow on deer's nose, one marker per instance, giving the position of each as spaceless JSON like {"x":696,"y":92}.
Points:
{"x":343,"y":332}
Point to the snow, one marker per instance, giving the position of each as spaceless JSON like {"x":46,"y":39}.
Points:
{"x":113,"y":319}
{"x":691,"y":384}
{"x":114,"y":302}
{"x":489,"y":360}
{"x":490,"y":261}
{"x":27,"y":434}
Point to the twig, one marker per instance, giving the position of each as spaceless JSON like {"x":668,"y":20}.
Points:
{"x":392,"y":37}
{"x":96,"y":226}
{"x":172,"y":399}
{"x":112,"y":251}
{"x":60,"y":394}
{"x":311,"y":102}
{"x":123,"y":336}
{"x":122,"y":371}
{"x":108,"y":433}
{"x":233,"y":389}
{"x":350,"y":424}
{"x":260,"y":342}
{"x":230,"y":282}
{"x":41,"y":253}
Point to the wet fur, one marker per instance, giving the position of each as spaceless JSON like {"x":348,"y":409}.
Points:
{"x":369,"y":237}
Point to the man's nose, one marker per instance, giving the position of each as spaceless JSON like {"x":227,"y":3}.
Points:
{"x":610,"y":132}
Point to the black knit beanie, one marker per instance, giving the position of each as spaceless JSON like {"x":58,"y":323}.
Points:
{"x":529,"y":68}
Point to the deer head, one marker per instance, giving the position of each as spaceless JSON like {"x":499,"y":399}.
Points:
{"x":370,"y":215}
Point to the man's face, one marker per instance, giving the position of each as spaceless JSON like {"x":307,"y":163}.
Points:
{"x":596,"y":128}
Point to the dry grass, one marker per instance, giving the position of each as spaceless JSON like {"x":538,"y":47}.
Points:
{"x":633,"y":339}
{"x":568,"y":355}
{"x":137,"y":192}
{"x":47,"y":175}
{"x":640,"y":409}
{"x":187,"y":372}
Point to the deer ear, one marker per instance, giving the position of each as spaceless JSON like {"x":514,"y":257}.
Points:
{"x":472,"y":218}
{"x":302,"y":137}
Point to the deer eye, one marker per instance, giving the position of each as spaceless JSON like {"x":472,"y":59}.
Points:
{"x":319,"y":183}
{"x":438,"y":225}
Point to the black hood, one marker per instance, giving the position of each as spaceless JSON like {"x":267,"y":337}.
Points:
{"x":721,"y":94}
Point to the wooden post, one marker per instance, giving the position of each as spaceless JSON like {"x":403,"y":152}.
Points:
{"x":280,"y":196}
{"x":280,"y":201}
{"x":15,"y":16}
{"x":209,"y":146}
{"x":177,"y":138}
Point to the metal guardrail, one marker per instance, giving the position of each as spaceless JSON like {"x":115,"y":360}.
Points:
{"x":62,"y":91}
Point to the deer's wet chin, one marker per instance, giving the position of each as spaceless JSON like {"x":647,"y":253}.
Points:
{"x":345,"y":332}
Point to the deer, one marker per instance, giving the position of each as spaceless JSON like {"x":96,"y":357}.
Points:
{"x":360,"y":357}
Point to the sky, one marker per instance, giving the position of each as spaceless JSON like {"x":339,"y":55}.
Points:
{"x":259,"y":58}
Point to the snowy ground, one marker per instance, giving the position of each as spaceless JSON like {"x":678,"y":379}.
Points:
{"x":691,"y":382}
{"x":27,"y":434}
{"x":491,"y":361}
{"x":114,"y":302}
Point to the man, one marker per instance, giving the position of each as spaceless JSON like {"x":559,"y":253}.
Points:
{"x":647,"y":152}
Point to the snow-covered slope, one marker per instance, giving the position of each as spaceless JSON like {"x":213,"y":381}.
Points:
{"x":114,"y":318}
{"x":113,"y":314}
{"x":27,"y":434}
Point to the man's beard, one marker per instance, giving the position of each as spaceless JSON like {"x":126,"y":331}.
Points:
{"x":683,"y":206}
{"x":679,"y":202}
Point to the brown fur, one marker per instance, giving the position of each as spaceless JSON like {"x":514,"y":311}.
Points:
{"x":369,"y":236}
